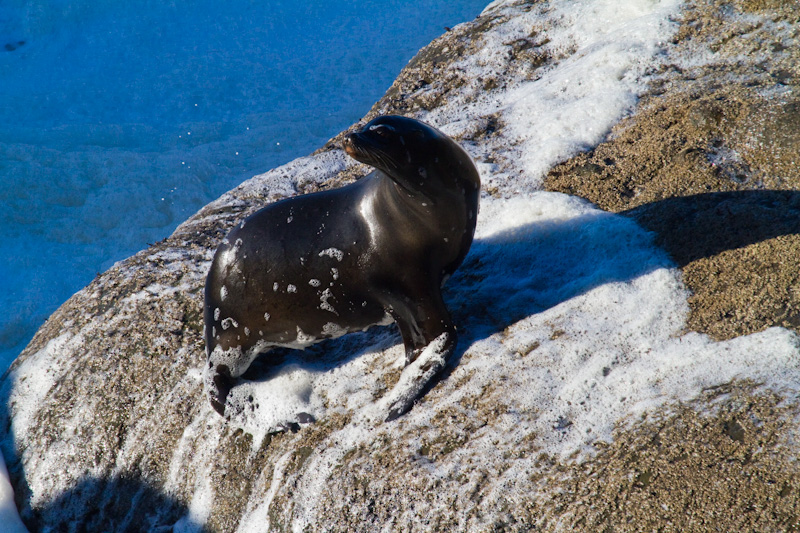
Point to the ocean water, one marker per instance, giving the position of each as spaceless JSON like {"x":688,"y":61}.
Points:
{"x":119,"y":120}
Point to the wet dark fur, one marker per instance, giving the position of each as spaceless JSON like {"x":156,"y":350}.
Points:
{"x":401,"y":231}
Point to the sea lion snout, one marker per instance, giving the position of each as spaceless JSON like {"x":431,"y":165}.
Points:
{"x":348,"y":144}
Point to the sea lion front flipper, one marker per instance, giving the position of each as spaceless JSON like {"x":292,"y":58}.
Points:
{"x":417,"y":375}
{"x":429,"y":336}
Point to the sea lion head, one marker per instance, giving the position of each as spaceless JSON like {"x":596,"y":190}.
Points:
{"x":415,"y":155}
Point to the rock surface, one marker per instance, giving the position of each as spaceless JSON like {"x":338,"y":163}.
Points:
{"x":106,"y":426}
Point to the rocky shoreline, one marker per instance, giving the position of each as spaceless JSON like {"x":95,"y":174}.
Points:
{"x":105,"y":424}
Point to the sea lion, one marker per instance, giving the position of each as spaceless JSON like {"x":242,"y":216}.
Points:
{"x":320,"y":265}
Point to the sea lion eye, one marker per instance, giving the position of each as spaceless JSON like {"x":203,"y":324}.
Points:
{"x":382,"y":130}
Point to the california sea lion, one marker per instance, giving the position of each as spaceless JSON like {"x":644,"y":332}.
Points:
{"x":320,"y":265}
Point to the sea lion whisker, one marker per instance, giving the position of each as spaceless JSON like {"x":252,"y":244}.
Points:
{"x":386,"y":161}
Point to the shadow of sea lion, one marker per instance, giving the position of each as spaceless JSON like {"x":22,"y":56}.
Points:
{"x":528,"y":269}
{"x":521,"y":271}
{"x":704,"y":225}
{"x":118,"y":504}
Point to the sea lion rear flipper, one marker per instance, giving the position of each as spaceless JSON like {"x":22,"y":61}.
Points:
{"x":220,"y":386}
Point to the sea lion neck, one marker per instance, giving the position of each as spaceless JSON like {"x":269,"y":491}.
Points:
{"x":398,"y":196}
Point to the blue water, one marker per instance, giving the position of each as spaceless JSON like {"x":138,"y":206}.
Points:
{"x":119,"y":120}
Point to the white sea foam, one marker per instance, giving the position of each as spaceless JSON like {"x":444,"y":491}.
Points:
{"x":607,"y":48}
{"x":191,"y":464}
{"x":41,"y":375}
{"x":333,"y":253}
{"x":599,"y":56}
{"x":9,"y":518}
